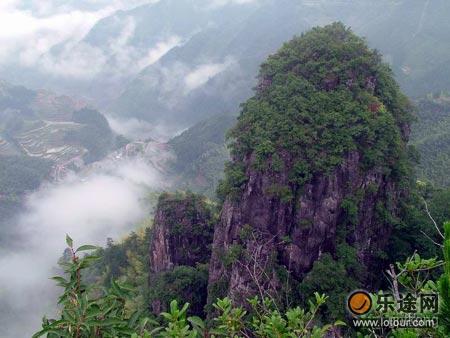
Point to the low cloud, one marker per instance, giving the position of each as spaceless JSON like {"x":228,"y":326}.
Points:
{"x":48,"y":35}
{"x":24,"y":35}
{"x":119,"y":58}
{"x":220,"y":3}
{"x":203,"y":73}
{"x":161,"y":48}
{"x":170,"y":82}
{"x":107,"y":203}
{"x":139,"y":130}
{"x":80,"y":61}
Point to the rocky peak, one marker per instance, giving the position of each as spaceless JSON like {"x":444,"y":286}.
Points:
{"x":318,"y":167}
{"x":182,"y":232}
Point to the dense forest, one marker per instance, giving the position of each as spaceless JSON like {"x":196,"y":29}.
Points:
{"x":322,"y":194}
{"x":431,"y":139}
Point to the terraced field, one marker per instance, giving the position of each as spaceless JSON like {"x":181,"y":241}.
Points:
{"x":43,"y":125}
{"x":49,"y":141}
{"x":5,"y":147}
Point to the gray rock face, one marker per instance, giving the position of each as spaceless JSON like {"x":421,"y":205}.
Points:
{"x":270,"y":231}
{"x":180,"y":247}
{"x":182,"y":232}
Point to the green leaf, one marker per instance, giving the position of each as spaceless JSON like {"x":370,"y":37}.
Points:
{"x":40,"y":333}
{"x":134,"y":318}
{"x":86,"y":248}
{"x":198,"y":324}
{"x":197,"y":321}
{"x":61,"y":281}
{"x":69,"y":241}
{"x":339,"y":323}
{"x":110,"y":321}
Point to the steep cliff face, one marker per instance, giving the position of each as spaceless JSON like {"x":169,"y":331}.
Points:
{"x":269,"y":232}
{"x":319,"y":166}
{"x":180,"y":248}
{"x":182,"y":232}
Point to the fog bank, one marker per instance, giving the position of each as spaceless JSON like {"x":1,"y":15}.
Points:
{"x":107,"y":203}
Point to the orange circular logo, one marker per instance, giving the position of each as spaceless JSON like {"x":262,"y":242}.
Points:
{"x":359,"y":302}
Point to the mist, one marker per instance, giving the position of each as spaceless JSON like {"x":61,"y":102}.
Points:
{"x":139,"y":130}
{"x":109,"y":202}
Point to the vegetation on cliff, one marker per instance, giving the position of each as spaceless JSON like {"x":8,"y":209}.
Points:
{"x":430,"y":135}
{"x":167,"y":259}
{"x":320,"y":168}
{"x":88,"y":311}
{"x":180,"y":249}
{"x":321,"y":96}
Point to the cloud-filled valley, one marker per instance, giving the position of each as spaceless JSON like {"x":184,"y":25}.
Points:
{"x":107,"y":203}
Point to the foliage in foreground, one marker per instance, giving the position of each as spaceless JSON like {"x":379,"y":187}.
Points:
{"x":88,"y":312}
{"x":414,"y":277}
{"x":444,"y":282}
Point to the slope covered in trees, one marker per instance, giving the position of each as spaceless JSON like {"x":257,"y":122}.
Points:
{"x":404,"y":31}
{"x":18,"y":176}
{"x":201,"y":153}
{"x":431,"y":137}
{"x":42,"y":124}
{"x":319,"y":169}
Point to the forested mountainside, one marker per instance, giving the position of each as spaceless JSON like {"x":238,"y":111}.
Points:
{"x":44,"y":125}
{"x":228,"y":53}
{"x":276,"y":155}
{"x":18,"y":175}
{"x":201,"y":151}
{"x":200,"y":155}
{"x":319,"y":168}
{"x":319,"y":196}
{"x":42,"y":136}
{"x":431,"y":137}
{"x":120,"y":45}
{"x":180,"y":61}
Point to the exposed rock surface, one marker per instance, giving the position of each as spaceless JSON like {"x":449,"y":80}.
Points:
{"x":294,"y":234}
{"x":182,"y":232}
{"x":180,"y":248}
